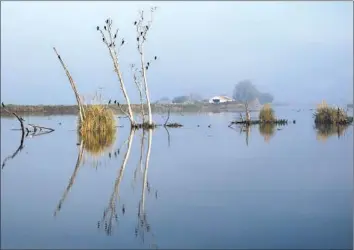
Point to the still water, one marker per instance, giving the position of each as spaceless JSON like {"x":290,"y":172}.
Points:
{"x":203,"y":187}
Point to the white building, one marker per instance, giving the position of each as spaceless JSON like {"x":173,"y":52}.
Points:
{"x":220,"y":99}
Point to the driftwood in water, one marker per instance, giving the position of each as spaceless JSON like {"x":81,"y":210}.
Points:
{"x":256,"y":122}
{"x":24,"y":134}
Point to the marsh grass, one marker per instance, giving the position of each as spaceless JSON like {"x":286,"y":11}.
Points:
{"x":266,"y":114}
{"x":98,"y":129}
{"x":331,"y":115}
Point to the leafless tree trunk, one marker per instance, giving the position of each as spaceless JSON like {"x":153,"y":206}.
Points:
{"x":77,"y":96}
{"x":137,"y":81}
{"x":111,"y":45}
{"x":248,"y":114}
{"x":142,"y":29}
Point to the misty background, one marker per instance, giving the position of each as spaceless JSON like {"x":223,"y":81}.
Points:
{"x":300,"y":52}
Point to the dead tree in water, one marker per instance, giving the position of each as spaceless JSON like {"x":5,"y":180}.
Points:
{"x":142,"y":28}
{"x":110,"y":41}
{"x":73,"y":86}
{"x":137,"y":81}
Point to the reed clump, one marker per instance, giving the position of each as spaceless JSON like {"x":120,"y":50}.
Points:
{"x":331,"y":115}
{"x":98,"y":129}
{"x":267,"y":114}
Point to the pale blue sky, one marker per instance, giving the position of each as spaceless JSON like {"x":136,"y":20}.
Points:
{"x":298,"y":51}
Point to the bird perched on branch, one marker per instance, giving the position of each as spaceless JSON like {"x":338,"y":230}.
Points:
{"x":122,"y":41}
{"x":109,"y":102}
{"x":135,"y":23}
{"x":155,"y":57}
{"x":3,"y":105}
{"x":97,"y":27}
{"x":115,"y":101}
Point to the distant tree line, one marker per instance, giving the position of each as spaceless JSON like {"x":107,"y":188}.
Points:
{"x":246,"y":91}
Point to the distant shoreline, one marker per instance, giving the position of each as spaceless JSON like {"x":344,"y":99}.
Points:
{"x":156,"y":108}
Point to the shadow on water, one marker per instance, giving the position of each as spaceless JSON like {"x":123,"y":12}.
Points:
{"x":324,"y":131}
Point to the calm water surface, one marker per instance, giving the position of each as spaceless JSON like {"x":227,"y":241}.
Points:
{"x":204,"y":187}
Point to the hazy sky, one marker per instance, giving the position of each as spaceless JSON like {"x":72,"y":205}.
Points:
{"x":298,"y":51}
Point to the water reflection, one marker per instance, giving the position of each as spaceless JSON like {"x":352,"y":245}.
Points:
{"x":267,"y":131}
{"x":324,"y":131}
{"x":95,"y":145}
{"x":143,"y":225}
{"x":37,"y":131}
{"x":110,"y":215}
{"x":72,"y":179}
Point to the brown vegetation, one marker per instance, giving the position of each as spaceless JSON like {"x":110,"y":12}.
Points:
{"x":331,"y":115}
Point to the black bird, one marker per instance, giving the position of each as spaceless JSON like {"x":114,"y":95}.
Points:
{"x":123,"y":209}
{"x":135,"y":23}
{"x":59,"y":57}
{"x":118,"y":104}
{"x":118,"y":151}
{"x":107,"y":21}
{"x":115,"y":101}
{"x":155,"y":57}
{"x":102,"y":39}
{"x":109,"y":102}
{"x":122,"y":41}
{"x":105,"y":28}
{"x":109,"y":155}
{"x":115,"y":36}
{"x":141,"y":33}
{"x":146,"y":67}
{"x":148,"y":64}
{"x":98,"y":27}
{"x":147,"y":27}
{"x":115,"y":154}
{"x":209,"y":126}
{"x":3,"y":105}
{"x":137,"y":39}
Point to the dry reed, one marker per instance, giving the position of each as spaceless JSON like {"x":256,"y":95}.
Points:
{"x":331,"y":115}
{"x":266,"y":114}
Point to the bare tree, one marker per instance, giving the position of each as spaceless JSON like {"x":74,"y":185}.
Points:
{"x":138,"y":82}
{"x":73,"y":86}
{"x":142,"y":28}
{"x":110,"y":41}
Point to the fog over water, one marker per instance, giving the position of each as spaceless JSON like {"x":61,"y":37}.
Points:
{"x":301,"y":52}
